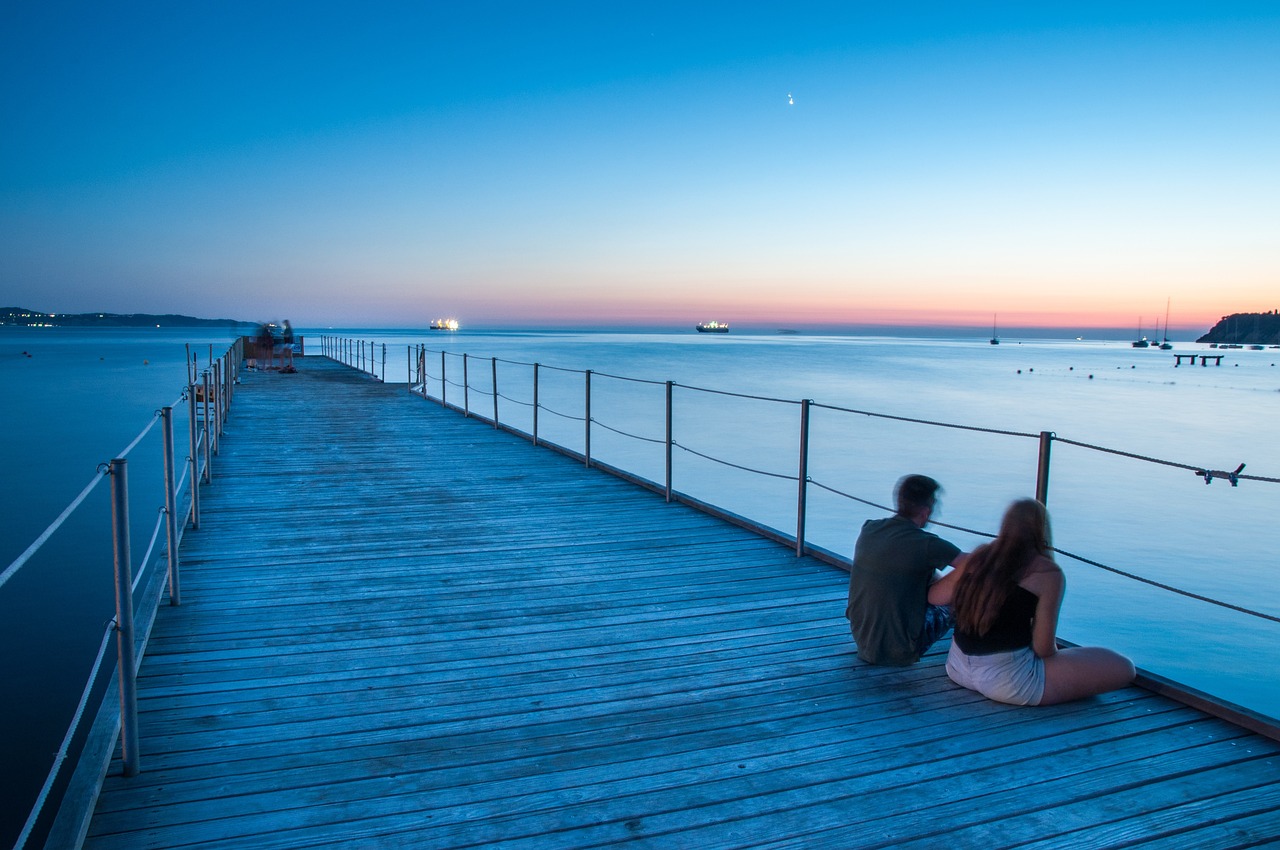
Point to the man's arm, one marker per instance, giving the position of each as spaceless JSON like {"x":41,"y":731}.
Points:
{"x":943,"y":589}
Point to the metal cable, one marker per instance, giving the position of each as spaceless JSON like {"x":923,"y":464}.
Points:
{"x":562,"y":369}
{"x":736,"y":395}
{"x":562,"y":415}
{"x":515,"y":400}
{"x":926,"y":421}
{"x":1073,"y":556}
{"x":734,"y":465}
{"x":632,"y":380}
{"x":1169,"y":587}
{"x":626,"y":434}
{"x":1204,"y":472}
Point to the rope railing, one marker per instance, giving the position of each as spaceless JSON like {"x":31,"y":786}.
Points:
{"x":214,"y":399}
{"x":31,"y":550}
{"x":1207,"y":474}
{"x":738,"y":395}
{"x":515,"y":400}
{"x":555,"y":412}
{"x":619,"y":431}
{"x":936,"y":424}
{"x":630,"y":380}
{"x":65,"y":747}
{"x":722,"y":462}
{"x":804,"y":480}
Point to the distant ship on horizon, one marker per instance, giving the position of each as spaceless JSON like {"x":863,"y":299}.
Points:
{"x":444,"y":325}
{"x":712,"y":327}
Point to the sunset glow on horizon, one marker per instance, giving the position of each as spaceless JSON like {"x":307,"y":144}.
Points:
{"x":813,"y":165}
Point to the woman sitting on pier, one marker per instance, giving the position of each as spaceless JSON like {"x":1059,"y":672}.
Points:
{"x":1006,"y":599}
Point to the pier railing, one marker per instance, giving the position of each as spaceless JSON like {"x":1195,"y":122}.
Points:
{"x":140,"y":584}
{"x":524,"y":398}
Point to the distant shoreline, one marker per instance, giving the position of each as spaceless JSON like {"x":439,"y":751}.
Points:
{"x":22,"y":317}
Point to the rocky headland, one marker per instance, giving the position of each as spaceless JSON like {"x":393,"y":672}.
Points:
{"x":1246,"y":329}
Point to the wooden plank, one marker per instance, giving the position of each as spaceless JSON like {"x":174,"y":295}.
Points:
{"x":442,"y":636}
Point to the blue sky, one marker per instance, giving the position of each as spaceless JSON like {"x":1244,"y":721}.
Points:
{"x":385,"y":164}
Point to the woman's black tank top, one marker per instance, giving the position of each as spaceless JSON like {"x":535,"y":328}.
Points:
{"x":1011,"y":629}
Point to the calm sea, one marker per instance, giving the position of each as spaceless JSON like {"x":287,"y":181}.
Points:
{"x":82,"y":396}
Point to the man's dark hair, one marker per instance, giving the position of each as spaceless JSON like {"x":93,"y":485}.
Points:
{"x":914,"y":493}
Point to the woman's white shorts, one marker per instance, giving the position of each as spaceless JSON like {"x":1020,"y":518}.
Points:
{"x":1014,"y":677}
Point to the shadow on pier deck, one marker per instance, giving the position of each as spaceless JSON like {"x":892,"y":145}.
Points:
{"x":402,"y":628}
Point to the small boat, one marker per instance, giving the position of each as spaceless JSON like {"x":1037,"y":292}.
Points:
{"x":712,"y":327}
{"x":1165,"y":345}
{"x":995,"y":340}
{"x":444,"y":325}
{"x":1141,"y":341}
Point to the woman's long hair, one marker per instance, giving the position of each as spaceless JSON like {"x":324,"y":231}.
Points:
{"x":993,"y":568}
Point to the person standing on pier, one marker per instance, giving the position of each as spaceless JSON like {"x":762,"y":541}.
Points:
{"x":1007,"y":596}
{"x":895,"y":563}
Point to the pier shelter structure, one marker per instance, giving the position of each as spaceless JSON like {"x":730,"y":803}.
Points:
{"x":403,"y":628}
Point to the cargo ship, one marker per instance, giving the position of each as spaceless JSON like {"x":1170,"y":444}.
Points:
{"x":444,"y":325}
{"x":712,"y":327}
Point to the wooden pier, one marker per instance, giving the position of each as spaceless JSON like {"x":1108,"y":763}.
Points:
{"x":1191,"y":359}
{"x":405,"y":628}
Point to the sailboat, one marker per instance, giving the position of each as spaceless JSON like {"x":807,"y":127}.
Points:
{"x":995,"y":340}
{"x":1166,"y":345}
{"x":1141,"y":341}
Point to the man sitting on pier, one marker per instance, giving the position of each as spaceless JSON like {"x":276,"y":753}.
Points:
{"x":894,"y":563}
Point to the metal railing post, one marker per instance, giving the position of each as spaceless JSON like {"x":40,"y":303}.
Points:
{"x":170,"y":504}
{"x":194,"y":457}
{"x":217,"y":405}
{"x":208,"y":466}
{"x":408,"y":367}
{"x":384,"y":363}
{"x":443,"y":403}
{"x":535,"y":404}
{"x":495,"y":392}
{"x":124,"y":616}
{"x":670,"y":384}
{"x":1042,"y":468}
{"x":466,"y":387}
{"x":586,"y":440}
{"x":803,"y":474}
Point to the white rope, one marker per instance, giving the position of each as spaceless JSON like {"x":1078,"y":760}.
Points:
{"x":138,"y":439}
{"x":146,"y":559}
{"x":66,"y":743}
{"x":48,"y":532}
